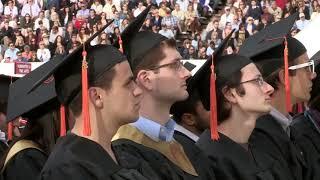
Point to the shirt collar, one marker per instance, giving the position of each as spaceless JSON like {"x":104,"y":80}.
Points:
{"x":154,"y":130}
{"x":186,"y":132}
{"x":283,"y":120}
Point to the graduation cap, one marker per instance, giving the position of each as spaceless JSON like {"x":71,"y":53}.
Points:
{"x":272,"y":48}
{"x":74,"y":73}
{"x":217,"y":70}
{"x":193,"y":65}
{"x":137,"y":44}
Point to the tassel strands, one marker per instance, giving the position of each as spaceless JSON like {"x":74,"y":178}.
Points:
{"x":213,"y":105}
{"x":286,"y":76}
{"x":85,"y":98}
{"x":62,"y":120}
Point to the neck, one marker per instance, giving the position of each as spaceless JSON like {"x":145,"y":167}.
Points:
{"x":155,"y":110}
{"x":102,"y":130}
{"x":239,"y":125}
{"x":279,"y":100}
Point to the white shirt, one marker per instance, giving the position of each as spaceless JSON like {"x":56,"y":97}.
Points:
{"x":167,"y":33}
{"x":183,"y":4}
{"x":98,"y":8}
{"x":11,"y":11}
{"x":45,"y":23}
{"x":186,"y":132}
{"x":43,"y":55}
{"x":224,"y":19}
{"x":1,"y":7}
{"x":302,"y":24}
{"x":33,"y":10}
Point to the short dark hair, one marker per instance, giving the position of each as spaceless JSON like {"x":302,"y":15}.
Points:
{"x":223,"y":106}
{"x":153,"y":57}
{"x":104,"y":81}
{"x":186,"y":106}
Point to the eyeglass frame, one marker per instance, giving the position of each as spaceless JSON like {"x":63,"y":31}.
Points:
{"x":178,"y":64}
{"x":259,"y":80}
{"x":303,"y":65}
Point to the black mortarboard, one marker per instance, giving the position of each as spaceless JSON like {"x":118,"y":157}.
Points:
{"x":272,"y":48}
{"x":136,"y":44}
{"x":74,"y":73}
{"x":205,"y":82}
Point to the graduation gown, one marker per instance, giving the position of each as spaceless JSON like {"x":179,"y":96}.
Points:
{"x":308,"y":140}
{"x":269,"y":138}
{"x":167,"y":160}
{"x":26,"y":164}
{"x":78,"y":158}
{"x":231,"y":161}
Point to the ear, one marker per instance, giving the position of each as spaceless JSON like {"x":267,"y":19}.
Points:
{"x":95,"y":96}
{"x":230,"y":95}
{"x":281,"y":77}
{"x":188,"y":119}
{"x":143,"y":79}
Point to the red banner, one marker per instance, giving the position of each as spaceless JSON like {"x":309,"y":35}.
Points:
{"x":22,"y":68}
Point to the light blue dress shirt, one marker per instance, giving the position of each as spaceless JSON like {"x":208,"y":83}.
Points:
{"x":154,"y":130}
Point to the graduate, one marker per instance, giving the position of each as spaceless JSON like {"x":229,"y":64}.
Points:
{"x":95,"y":84}
{"x":236,"y":94}
{"x":159,"y":72}
{"x":308,"y":129}
{"x":285,"y":66}
{"x":27,"y":154}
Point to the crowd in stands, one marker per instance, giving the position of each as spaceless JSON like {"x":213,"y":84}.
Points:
{"x":36,"y":30}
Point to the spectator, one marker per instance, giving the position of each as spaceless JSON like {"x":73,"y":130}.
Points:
{"x":124,"y":24}
{"x":183,"y":4}
{"x":275,"y":10}
{"x":95,"y":41}
{"x":41,"y":21}
{"x":241,"y":35}
{"x":53,"y":34}
{"x":254,"y":10}
{"x":43,"y":54}
{"x":156,"y":19}
{"x":250,"y":26}
{"x":235,"y":22}
{"x":263,"y":24}
{"x":210,"y":49}
{"x":289,"y":8}
{"x":83,"y":12}
{"x":65,"y":16}
{"x":27,"y":53}
{"x":180,"y":16}
{"x":147,"y":26}
{"x":227,"y":16}
{"x":316,"y":13}
{"x":108,"y":8}
{"x":125,"y":13}
{"x":33,"y":44}
{"x":60,"y":50}
{"x":83,"y":35}
{"x":214,"y":27}
{"x":32,"y":8}
{"x":34,"y":57}
{"x":20,"y":58}
{"x":1,"y":8}
{"x":267,"y":16}
{"x":196,"y":41}
{"x":93,"y":18}
{"x":243,"y":7}
{"x":302,"y":8}
{"x":215,"y":39}
{"x":10,"y":10}
{"x":70,"y":30}
{"x":185,"y":48}
{"x":192,"y":53}
{"x":7,"y":30}
{"x":59,"y":40}
{"x":55,"y":20}
{"x":163,"y":10}
{"x":192,"y":24}
{"x":171,"y":21}
{"x":139,"y":9}
{"x":202,"y":53}
{"x":11,"y":52}
{"x":313,"y":6}
{"x":227,"y":30}
{"x":167,"y":32}
{"x":19,"y":43}
{"x":302,"y":22}
{"x":26,"y":22}
{"x":97,"y":6}
{"x":72,"y":41}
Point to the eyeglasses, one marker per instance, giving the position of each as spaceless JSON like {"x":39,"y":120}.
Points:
{"x":259,"y":81}
{"x":177,"y":65}
{"x":308,"y":65}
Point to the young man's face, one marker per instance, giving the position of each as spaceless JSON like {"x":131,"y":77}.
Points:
{"x":301,"y":82}
{"x":168,"y":83}
{"x":122,"y":100}
{"x":257,"y":98}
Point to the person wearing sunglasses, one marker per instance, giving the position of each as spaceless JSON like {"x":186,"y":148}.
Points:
{"x":272,"y":49}
{"x":308,"y":126}
{"x":149,"y":142}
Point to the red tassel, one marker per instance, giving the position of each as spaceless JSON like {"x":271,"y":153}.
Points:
{"x":120,"y":43}
{"x":300,"y":108}
{"x":62,"y":120}
{"x":213,"y":105}
{"x":286,"y":77}
{"x":85,"y":100}
{"x":10,"y":131}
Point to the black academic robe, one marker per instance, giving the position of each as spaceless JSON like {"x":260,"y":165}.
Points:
{"x":132,"y":154}
{"x":26,"y":164}
{"x":78,"y":158}
{"x":269,"y":138}
{"x":3,"y":148}
{"x":308,"y":140}
{"x":232,"y":161}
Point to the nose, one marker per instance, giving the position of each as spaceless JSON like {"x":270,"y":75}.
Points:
{"x":268,"y":89}
{"x":185,"y":73}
